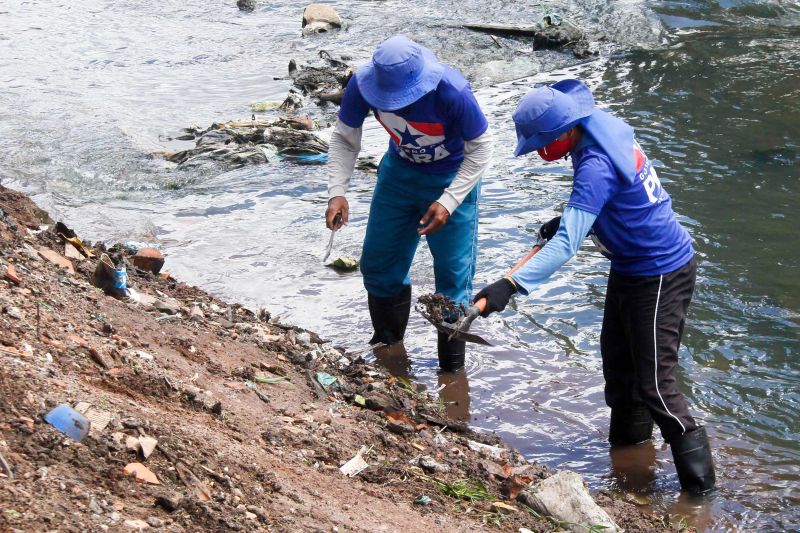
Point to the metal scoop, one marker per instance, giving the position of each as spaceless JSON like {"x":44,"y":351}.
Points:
{"x":337,"y":222}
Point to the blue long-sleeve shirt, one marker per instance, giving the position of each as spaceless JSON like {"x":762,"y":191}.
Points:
{"x":575,"y":225}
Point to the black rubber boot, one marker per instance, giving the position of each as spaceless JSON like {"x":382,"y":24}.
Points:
{"x":452,"y":353}
{"x":630,"y":426}
{"x":693,"y":461}
{"x":389,"y":316}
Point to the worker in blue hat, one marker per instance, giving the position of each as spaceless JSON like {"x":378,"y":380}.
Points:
{"x":619,"y":201}
{"x":428,"y":181}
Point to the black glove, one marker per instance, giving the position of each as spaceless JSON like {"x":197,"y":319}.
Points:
{"x":550,"y":228}
{"x":498,"y":294}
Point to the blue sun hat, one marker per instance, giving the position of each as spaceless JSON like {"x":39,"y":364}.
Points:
{"x":400,"y":73}
{"x":546,"y":112}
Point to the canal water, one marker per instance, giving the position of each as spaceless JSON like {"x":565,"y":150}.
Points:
{"x":90,"y":91}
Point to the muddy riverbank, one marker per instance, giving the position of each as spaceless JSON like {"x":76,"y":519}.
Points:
{"x":253,"y":419}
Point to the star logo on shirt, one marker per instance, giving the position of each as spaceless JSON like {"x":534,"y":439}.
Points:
{"x":407,"y":138}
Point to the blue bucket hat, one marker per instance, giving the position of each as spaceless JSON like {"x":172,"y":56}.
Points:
{"x":400,"y":73}
{"x":546,"y":112}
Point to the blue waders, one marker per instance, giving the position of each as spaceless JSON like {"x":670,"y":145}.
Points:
{"x":401,"y":198}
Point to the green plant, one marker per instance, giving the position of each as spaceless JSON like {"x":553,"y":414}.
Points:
{"x":463,"y":489}
{"x":563,"y":524}
{"x":494,"y":519}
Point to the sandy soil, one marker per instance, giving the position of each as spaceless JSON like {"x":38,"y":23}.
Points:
{"x":247,"y":438}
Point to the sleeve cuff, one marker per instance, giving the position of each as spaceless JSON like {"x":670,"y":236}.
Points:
{"x":520,"y":287}
{"x":336,"y":190}
{"x":449,"y":202}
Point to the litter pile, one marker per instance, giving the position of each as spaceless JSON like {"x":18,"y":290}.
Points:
{"x":148,"y":404}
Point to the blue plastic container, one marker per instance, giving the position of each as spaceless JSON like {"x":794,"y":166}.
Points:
{"x":69,"y":422}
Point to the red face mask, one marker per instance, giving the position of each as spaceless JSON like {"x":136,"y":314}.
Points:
{"x":557,"y":149}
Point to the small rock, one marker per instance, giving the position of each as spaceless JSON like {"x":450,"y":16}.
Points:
{"x":168,"y":307}
{"x":564,"y":497}
{"x":377,"y":401}
{"x":320,"y":18}
{"x":304,"y":338}
{"x":14,"y":312}
{"x":246,"y":5}
{"x":155,"y":522}
{"x":169,"y":503}
{"x":31,"y":252}
{"x":145,"y":356}
{"x":430,"y":465}
{"x":95,"y":507}
{"x":136,"y":525}
{"x":196,"y":314}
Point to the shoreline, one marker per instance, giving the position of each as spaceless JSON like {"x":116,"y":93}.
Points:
{"x":253,"y":419}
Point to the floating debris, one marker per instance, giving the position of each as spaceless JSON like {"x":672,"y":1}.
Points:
{"x":344,"y":264}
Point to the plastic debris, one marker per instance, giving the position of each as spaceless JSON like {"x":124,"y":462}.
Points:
{"x":355,"y":465}
{"x":327,"y":381}
{"x":147,"y":445}
{"x":266,"y":105}
{"x":423,"y":500}
{"x":98,"y":419}
{"x":113,"y":280}
{"x":495,"y":452}
{"x":344,"y":264}
{"x":69,"y":422}
{"x":142,"y":473}
{"x":71,"y":238}
{"x":270,"y":380}
{"x":359,"y":400}
{"x":303,"y":158}
{"x":500,"y":506}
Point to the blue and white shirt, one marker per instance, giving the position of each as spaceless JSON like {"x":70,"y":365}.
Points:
{"x":428,"y":134}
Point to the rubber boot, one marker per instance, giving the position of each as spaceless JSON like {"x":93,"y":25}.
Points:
{"x":389,"y":316}
{"x":693,"y":461}
{"x":452,"y":353}
{"x":630,"y":426}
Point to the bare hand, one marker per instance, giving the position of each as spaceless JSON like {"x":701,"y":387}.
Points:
{"x":434,"y":219}
{"x":337,"y":206}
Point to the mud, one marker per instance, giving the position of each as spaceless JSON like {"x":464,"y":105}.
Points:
{"x":249,"y":438}
{"x":441,"y":308}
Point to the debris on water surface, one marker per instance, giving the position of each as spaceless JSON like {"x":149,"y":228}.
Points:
{"x":344,"y":264}
{"x":441,"y":308}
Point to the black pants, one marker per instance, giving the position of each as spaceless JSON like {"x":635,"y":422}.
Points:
{"x":642,"y":329}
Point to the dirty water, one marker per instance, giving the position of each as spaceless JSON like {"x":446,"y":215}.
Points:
{"x":91,"y":90}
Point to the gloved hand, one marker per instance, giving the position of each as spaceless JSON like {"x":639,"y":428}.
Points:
{"x":497,"y":295}
{"x":550,"y":228}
